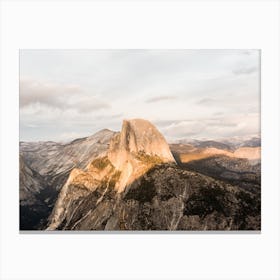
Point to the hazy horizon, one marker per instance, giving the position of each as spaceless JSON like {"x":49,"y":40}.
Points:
{"x":197,"y":94}
{"x":170,"y":141}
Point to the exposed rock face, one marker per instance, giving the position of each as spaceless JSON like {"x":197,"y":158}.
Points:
{"x":165,"y":198}
{"x":136,"y":149}
{"x":51,"y":158}
{"x":137,"y":185}
{"x":137,"y":137}
{"x":44,"y":169}
{"x":31,"y":183}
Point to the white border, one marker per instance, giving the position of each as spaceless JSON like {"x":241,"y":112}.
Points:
{"x":190,"y":24}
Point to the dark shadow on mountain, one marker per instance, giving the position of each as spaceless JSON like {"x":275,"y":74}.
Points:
{"x":234,"y":171}
{"x":167,"y":197}
{"x":34,"y":215}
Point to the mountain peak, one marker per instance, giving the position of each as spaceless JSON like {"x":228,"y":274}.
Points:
{"x":138,"y":136}
{"x":131,"y":154}
{"x":104,"y":130}
{"x":128,"y":186}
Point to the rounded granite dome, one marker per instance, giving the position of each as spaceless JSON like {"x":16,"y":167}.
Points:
{"x":138,"y":135}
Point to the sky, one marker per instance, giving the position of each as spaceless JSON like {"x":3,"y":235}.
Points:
{"x":186,"y":94}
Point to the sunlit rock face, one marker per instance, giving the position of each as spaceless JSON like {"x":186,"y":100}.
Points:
{"x":138,"y":136}
{"x":132,"y":182}
{"x":132,"y":152}
{"x":45,"y":168}
{"x":135,"y":149}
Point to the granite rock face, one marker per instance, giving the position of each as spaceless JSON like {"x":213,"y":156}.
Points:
{"x":165,"y":198}
{"x":131,"y":153}
{"x":31,"y":183}
{"x":138,"y":146}
{"x":52,"y":158}
{"x":45,"y":168}
{"x":137,"y":185}
{"x":137,"y":136}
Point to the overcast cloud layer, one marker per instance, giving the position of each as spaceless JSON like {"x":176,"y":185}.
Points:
{"x":65,"y":94}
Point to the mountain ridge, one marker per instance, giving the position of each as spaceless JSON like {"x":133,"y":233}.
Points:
{"x":131,"y":153}
{"x":137,"y":185}
{"x":54,"y":162}
{"x":135,"y":180}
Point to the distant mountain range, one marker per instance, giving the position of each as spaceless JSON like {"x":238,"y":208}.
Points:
{"x":134,"y":180}
{"x":229,"y":144}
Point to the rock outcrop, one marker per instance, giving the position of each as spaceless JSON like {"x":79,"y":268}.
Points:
{"x":137,"y":185}
{"x":131,"y":153}
{"x":45,"y":168}
{"x":52,"y":158}
{"x":138,"y":136}
{"x":31,"y":183}
{"x":135,"y":149}
{"x":165,"y":198}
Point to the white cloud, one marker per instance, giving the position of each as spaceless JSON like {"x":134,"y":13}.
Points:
{"x":184,"y":92}
{"x":58,"y":96}
{"x":245,"y":70}
{"x":53,"y":95}
{"x":160,"y":98}
{"x":213,"y":128}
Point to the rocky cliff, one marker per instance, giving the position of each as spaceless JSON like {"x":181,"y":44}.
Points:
{"x":33,"y":207}
{"x":45,"y":168}
{"x":137,"y":185}
{"x":131,"y":153}
{"x":135,"y":149}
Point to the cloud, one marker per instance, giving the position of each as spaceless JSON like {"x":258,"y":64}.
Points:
{"x":184,"y":129}
{"x":89,"y":105}
{"x":109,"y":116}
{"x":58,"y":96}
{"x":206,"y":101}
{"x":218,"y":113}
{"x":160,"y":98}
{"x":164,"y":123}
{"x":180,"y":91}
{"x":221,"y":123}
{"x":245,"y":70}
{"x":213,"y":128}
{"x":53,"y":95}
